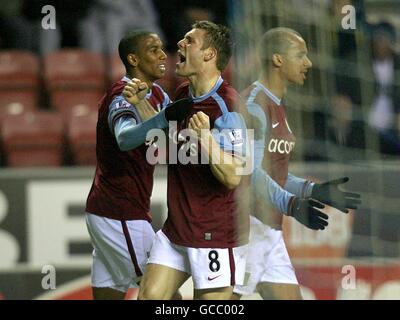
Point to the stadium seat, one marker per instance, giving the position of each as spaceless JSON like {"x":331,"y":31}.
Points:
{"x":19,"y":78}
{"x":33,"y":139}
{"x":11,"y":109}
{"x":81,"y":134}
{"x":74,"y":77}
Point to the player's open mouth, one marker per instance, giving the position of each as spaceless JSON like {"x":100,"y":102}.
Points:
{"x":162,"y":67}
{"x":181,"y":57}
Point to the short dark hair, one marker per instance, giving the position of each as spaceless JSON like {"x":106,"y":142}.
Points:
{"x":218,"y":37}
{"x":130,"y":44}
{"x":276,"y":40}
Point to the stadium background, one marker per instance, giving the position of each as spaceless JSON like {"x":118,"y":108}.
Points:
{"x":50,"y":82}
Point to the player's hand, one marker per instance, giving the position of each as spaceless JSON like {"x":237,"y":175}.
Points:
{"x":305,"y":211}
{"x":199,"y":121}
{"x":330,"y":194}
{"x":178,"y":110}
{"x":135,"y":91}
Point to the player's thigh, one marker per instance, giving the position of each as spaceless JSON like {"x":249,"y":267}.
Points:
{"x":119,"y":255}
{"x":216,"y":268}
{"x":279,"y":291}
{"x":256,"y":263}
{"x":167,"y":269}
{"x":213,"y":293}
{"x":161,"y":282}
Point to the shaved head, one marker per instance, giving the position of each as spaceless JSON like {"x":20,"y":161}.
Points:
{"x":276,"y":40}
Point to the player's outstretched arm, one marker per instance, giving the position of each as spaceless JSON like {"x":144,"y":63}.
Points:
{"x":298,"y":186}
{"x":267,"y":189}
{"x":329,"y":193}
{"x":303,"y":210}
{"x":130,"y":134}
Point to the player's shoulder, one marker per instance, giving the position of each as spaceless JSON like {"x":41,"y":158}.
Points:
{"x":157,"y":89}
{"x":113,"y":93}
{"x":248,"y":93}
{"x":262,"y":99}
{"x":182,"y":91}
{"x":117,"y":87}
{"x":158,"y":92}
{"x":229,"y":95}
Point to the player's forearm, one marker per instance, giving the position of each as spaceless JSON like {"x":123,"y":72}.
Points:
{"x":266,"y":188}
{"x":298,"y":186}
{"x":145,"y":110}
{"x":225,"y":167}
{"x":130,"y":135}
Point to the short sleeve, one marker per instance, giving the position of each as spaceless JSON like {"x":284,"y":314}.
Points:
{"x":259,"y":125}
{"x":230,"y":132}
{"x":120,"y":107}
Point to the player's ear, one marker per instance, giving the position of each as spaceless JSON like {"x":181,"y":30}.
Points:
{"x":133,"y":60}
{"x":277,"y":60}
{"x":209,"y":54}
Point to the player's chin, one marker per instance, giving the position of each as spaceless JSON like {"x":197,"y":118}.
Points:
{"x":300,"y":81}
{"x":180,"y":72}
{"x":161,"y":74}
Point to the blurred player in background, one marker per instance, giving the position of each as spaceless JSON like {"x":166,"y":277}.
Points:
{"x":283,"y":55}
{"x":200,"y":236}
{"x":118,"y":206}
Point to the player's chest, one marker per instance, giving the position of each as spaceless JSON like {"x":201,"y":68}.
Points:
{"x":211,"y":111}
{"x":279,"y":139}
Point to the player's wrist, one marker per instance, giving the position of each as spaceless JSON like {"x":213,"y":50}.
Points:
{"x":205,"y":136}
{"x":316,"y":191}
{"x":308,"y":189}
{"x":207,"y":143}
{"x":291,"y":205}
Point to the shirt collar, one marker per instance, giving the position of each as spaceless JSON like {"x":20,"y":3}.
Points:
{"x":273,"y":97}
{"x":209,"y":93}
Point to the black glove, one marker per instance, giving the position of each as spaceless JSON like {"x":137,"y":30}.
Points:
{"x":330,"y":194}
{"x":304,"y":212}
{"x":178,"y":110}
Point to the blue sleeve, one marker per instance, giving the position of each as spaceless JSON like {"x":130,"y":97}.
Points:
{"x":230,"y":132}
{"x":259,"y":123}
{"x":299,"y":186}
{"x":128,"y":132}
{"x":266,"y":188}
{"x":119,"y":107}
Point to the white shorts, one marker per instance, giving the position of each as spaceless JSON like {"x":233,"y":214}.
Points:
{"x":121,"y":251}
{"x":267,"y":260}
{"x":209,"y":267}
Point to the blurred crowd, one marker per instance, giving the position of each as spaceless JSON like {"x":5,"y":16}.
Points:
{"x":362,"y":115}
{"x":98,"y":25}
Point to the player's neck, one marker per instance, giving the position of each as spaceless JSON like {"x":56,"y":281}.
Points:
{"x":274,"y":83}
{"x":202,"y":83}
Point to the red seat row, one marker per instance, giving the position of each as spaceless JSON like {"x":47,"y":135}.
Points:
{"x":41,"y":138}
